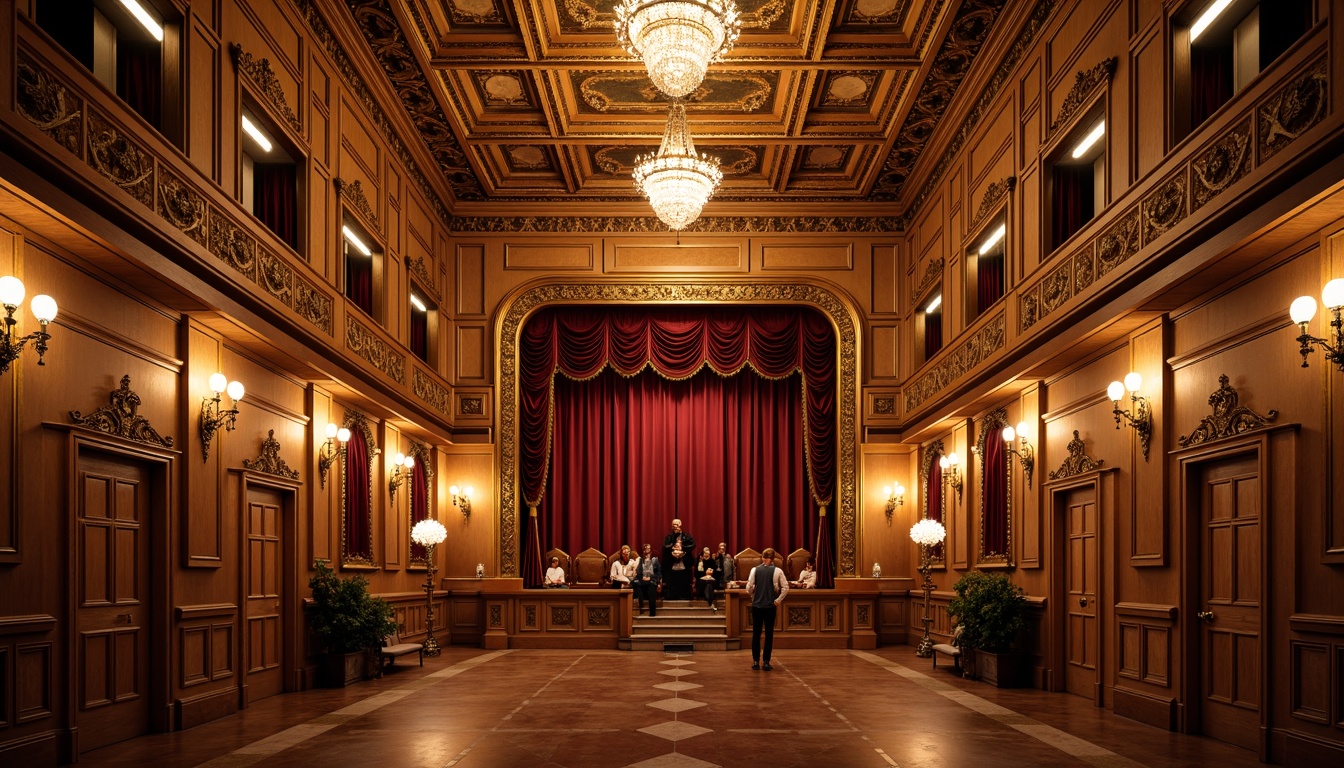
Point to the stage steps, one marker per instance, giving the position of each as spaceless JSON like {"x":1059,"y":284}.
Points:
{"x":682,"y":622}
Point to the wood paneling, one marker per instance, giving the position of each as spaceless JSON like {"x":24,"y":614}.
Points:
{"x":552,"y":257}
{"x":885,"y":280}
{"x":34,"y":681}
{"x":647,"y":257}
{"x":469,"y":279}
{"x":885,"y":353}
{"x":471,"y":362}
{"x":809,"y":257}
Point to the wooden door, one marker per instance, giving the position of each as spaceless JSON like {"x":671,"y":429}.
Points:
{"x":113,"y":607}
{"x":262,"y":594}
{"x":1229,"y":611}
{"x":1081,"y":637}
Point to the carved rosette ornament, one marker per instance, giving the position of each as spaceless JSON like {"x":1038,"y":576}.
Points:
{"x":847,"y":405}
{"x":1085,"y":83}
{"x":269,"y":460}
{"x":122,"y":418}
{"x":1228,"y":417}
{"x":264,"y":79}
{"x":1294,"y":109}
{"x":1077,"y":462}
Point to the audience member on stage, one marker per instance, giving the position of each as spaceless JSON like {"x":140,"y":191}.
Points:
{"x":706,"y":578}
{"x":808,"y":578}
{"x":555,"y":575}
{"x":725,"y":566}
{"x":767,"y":586}
{"x":678,"y":562}
{"x":648,"y":578}
{"x":623,"y":569}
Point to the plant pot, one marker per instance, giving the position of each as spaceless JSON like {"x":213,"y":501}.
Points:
{"x":1002,"y":670}
{"x":342,"y":669}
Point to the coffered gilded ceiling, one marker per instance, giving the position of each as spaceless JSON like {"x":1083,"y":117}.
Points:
{"x":821,"y":101}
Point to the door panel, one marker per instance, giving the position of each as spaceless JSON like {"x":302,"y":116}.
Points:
{"x":264,"y":604}
{"x":112,"y":616}
{"x":1230,"y":588}
{"x":1080,"y":593}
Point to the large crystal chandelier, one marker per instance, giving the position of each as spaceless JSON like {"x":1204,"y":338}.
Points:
{"x":677,"y":39}
{"x":677,"y":180}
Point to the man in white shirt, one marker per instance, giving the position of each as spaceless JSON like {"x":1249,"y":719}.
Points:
{"x":622,"y":569}
{"x":808,"y":578}
{"x":555,"y":575}
{"x":767,"y":585}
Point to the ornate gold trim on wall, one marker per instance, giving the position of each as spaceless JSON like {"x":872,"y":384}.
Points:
{"x":358,"y":422}
{"x":1228,"y":418}
{"x":263,"y":78}
{"x":269,"y":461}
{"x":122,"y":418}
{"x":1085,"y":83}
{"x":645,"y":224}
{"x":990,"y":428}
{"x":963,"y":359}
{"x":838,"y":311}
{"x":1077,"y":462}
{"x":372,"y":348}
{"x":930,"y":453}
{"x":932,"y":272}
{"x":424,"y":459}
{"x":993,"y":194}
{"x":429,"y":390}
{"x":353,"y":193}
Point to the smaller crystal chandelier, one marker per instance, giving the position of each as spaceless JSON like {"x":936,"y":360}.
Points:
{"x":677,"y":180}
{"x":677,"y":39}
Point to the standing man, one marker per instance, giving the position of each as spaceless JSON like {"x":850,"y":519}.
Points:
{"x":648,"y":576}
{"x":767,"y":587}
{"x":726,"y":566}
{"x":679,"y":560}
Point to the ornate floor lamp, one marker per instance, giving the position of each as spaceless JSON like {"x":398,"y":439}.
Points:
{"x":927,"y":534}
{"x":429,"y":533}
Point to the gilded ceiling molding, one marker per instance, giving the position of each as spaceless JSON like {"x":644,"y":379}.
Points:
{"x":1077,"y":462}
{"x":993,"y":194}
{"x":475,"y":15}
{"x":323,"y":34}
{"x":839,"y":312}
{"x":973,"y":351}
{"x":1228,"y":418}
{"x":269,"y":461}
{"x":651,"y":224}
{"x":1085,"y":83}
{"x":353,"y":192}
{"x":368,"y":345}
{"x":932,"y":272}
{"x":122,"y":418}
{"x":267,"y":84}
{"x":1022,"y":43}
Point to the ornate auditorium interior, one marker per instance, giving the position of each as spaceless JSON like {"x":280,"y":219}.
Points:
{"x":319,"y":270}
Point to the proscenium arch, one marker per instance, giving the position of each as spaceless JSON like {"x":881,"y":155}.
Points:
{"x":831,"y":303}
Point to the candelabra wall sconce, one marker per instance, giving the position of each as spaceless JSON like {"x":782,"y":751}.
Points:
{"x":429,"y":533}
{"x":1024,"y":452}
{"x":213,"y":416}
{"x":462,"y":499}
{"x":927,"y":533}
{"x":400,"y":462}
{"x":950,"y":464}
{"x":1142,"y":417}
{"x":1302,"y":311}
{"x":44,"y":309}
{"x":330,"y":451}
{"x":895,"y":498}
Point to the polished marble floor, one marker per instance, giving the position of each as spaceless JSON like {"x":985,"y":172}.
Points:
{"x":599,"y":709}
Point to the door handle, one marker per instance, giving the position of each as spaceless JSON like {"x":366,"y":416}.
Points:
{"x":1205,"y":616}
{"x":126,"y":617}
{"x":1082,"y":601}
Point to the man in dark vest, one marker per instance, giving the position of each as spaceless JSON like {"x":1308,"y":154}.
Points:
{"x":767,"y":586}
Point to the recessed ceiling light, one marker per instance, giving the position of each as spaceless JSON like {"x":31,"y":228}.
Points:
{"x":256,"y":134}
{"x":354,"y":240}
{"x":1092,"y":137}
{"x":935,"y":304}
{"x":994,"y":238}
{"x":418,"y":304}
{"x":1206,"y":18}
{"x":147,"y":21}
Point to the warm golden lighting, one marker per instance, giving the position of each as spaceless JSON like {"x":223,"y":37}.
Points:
{"x":677,"y":180}
{"x":677,"y":39}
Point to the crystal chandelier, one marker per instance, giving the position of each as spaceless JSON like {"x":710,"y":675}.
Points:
{"x":677,"y":39}
{"x":677,"y":180}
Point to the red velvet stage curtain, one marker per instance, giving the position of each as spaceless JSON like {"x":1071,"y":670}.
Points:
{"x":579,"y":342}
{"x":995,"y":502}
{"x":1072,"y":201}
{"x":934,"y":507}
{"x":358,"y":536}
{"x":276,"y":200}
{"x":139,"y":73}
{"x":419,"y":505}
{"x":989,"y":280}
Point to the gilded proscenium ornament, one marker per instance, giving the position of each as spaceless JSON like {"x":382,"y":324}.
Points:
{"x":1229,"y":417}
{"x":122,"y":418}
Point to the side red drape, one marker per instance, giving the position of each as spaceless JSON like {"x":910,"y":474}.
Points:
{"x":419,"y":505}
{"x":933,"y":508}
{"x":933,"y":333}
{"x":1071,"y":204}
{"x":989,"y":280}
{"x":358,"y":536}
{"x":995,"y":503}
{"x":276,"y":200}
{"x":359,"y":280}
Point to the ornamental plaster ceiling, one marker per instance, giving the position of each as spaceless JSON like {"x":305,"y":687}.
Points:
{"x":824,"y":103}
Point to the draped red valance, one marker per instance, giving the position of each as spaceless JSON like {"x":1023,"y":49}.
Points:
{"x":676,"y":342}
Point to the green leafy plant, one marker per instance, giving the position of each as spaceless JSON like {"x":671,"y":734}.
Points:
{"x":989,"y":609}
{"x":345,"y":615}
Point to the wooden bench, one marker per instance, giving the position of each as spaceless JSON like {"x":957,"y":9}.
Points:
{"x":949,"y":649}
{"x":393,"y":649}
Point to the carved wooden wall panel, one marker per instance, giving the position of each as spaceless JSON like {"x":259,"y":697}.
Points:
{"x":552,"y":257}
{"x":34,"y":681}
{"x":885,"y":280}
{"x":469,"y":279}
{"x":634,"y":257}
{"x":473,"y":364}
{"x":885,"y":359}
{"x":203,"y":139}
{"x":809,"y":257}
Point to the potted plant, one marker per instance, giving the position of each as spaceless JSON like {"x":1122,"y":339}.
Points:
{"x":351,"y":623}
{"x":990,"y":613}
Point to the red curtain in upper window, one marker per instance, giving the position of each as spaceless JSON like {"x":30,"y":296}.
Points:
{"x":989,"y":280}
{"x":357,"y":523}
{"x":420,"y":334}
{"x":1072,"y":204}
{"x":1210,"y":81}
{"x":276,"y":200}
{"x":933,"y":333}
{"x":139,"y":74}
{"x":995,"y":503}
{"x":359,"y":279}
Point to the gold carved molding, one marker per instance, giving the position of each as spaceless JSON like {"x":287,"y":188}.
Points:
{"x":1077,"y":462}
{"x":932,"y":272}
{"x":259,"y":72}
{"x":965,"y":357}
{"x":1085,"y":83}
{"x":994,"y":193}
{"x":122,"y":418}
{"x":269,"y":460}
{"x":1228,"y":419}
{"x":353,"y":193}
{"x":842,"y":318}
{"x":372,"y":348}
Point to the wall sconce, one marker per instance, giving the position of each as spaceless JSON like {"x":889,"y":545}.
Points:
{"x":213,"y":416}
{"x":44,"y":308}
{"x":399,"y":461}
{"x":462,"y":499}
{"x":329,"y":452}
{"x":951,"y":473}
{"x":895,"y":498}
{"x":1024,"y":451}
{"x":1302,"y":310}
{"x":1142,"y":418}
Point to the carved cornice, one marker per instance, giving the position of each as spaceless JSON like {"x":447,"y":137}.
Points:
{"x":993,"y":194}
{"x":267,"y":84}
{"x":1084,"y":84}
{"x":639,"y":224}
{"x":353,"y":193}
{"x":419,"y":267}
{"x":932,"y":272}
{"x":661,"y":293}
{"x":973,"y":351}
{"x":122,"y":418}
{"x":368,"y":345}
{"x":269,"y":460}
{"x":1228,"y":417}
{"x":1077,"y":462}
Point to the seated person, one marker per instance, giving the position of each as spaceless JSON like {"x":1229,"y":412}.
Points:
{"x":706,"y":578}
{"x":623,"y":569}
{"x":555,"y":575}
{"x":808,"y":578}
